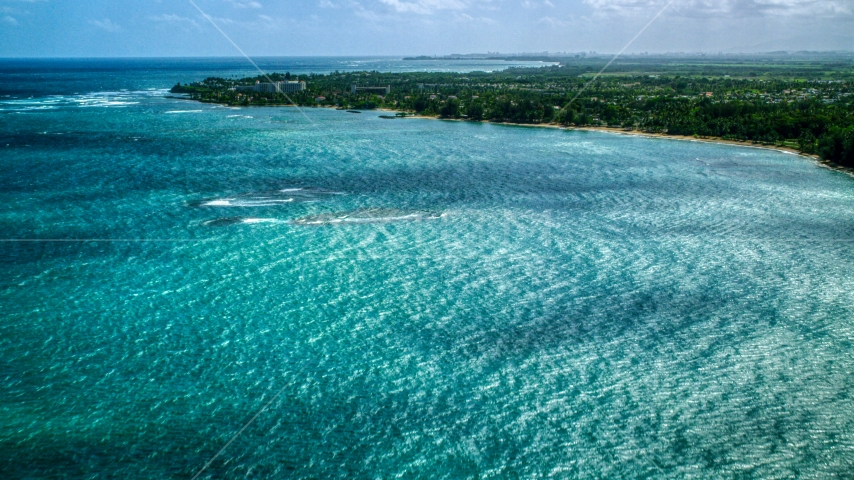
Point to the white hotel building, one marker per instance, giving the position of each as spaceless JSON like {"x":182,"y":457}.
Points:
{"x":276,"y":87}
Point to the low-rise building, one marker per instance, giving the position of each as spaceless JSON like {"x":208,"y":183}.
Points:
{"x":382,"y":90}
{"x":289,"y":86}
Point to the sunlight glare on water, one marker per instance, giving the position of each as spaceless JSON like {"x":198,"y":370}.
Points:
{"x":437,"y":299}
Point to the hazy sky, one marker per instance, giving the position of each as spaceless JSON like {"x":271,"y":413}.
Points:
{"x":389,"y":27}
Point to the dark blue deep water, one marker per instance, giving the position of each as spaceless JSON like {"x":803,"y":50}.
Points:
{"x":430,"y":299}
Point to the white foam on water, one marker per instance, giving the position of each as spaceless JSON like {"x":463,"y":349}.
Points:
{"x":228,"y":221}
{"x":261,"y":220}
{"x":269,"y":198}
{"x":365,"y":216}
{"x":581,"y":146}
{"x":30,"y":101}
{"x":29,"y":109}
{"x":183,"y":111}
{"x":119,"y":99}
{"x":217,"y":203}
{"x":257,"y":202}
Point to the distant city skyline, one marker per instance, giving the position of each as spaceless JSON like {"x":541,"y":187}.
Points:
{"x":100,"y":28}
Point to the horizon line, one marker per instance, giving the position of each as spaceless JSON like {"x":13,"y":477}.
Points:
{"x":436,"y":56}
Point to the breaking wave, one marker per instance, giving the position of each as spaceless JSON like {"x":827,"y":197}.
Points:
{"x":251,"y":202}
{"x":268,"y":199}
{"x":113,"y":99}
{"x":226,"y":221}
{"x":367,"y":215}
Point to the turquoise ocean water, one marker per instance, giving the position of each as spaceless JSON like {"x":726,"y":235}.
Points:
{"x":433,"y":299}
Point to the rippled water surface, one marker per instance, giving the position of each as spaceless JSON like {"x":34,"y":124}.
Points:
{"x":433,"y":299}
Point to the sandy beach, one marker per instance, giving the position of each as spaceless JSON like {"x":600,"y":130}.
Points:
{"x":620,"y":131}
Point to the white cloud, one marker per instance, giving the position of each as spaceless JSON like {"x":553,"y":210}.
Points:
{"x":174,"y":19}
{"x":729,"y":8}
{"x":426,"y":6}
{"x":369,"y":15}
{"x":553,"y":22}
{"x":419,"y":7}
{"x":106,"y":24}
{"x":805,"y":7}
{"x":466,"y":18}
{"x":533,"y":4}
{"x":269,"y":24}
{"x":9,"y":20}
{"x":267,"y":21}
{"x":12,"y":10}
{"x":348,"y":4}
{"x":244,"y":4}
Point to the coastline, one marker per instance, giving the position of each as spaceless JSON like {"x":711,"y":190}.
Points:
{"x":812,"y":157}
{"x":818,"y":161}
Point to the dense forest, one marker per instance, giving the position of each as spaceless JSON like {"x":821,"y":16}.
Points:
{"x":808,"y":107}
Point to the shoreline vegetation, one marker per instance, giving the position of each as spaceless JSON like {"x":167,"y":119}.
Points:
{"x":803,"y":104}
{"x":621,"y":131}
